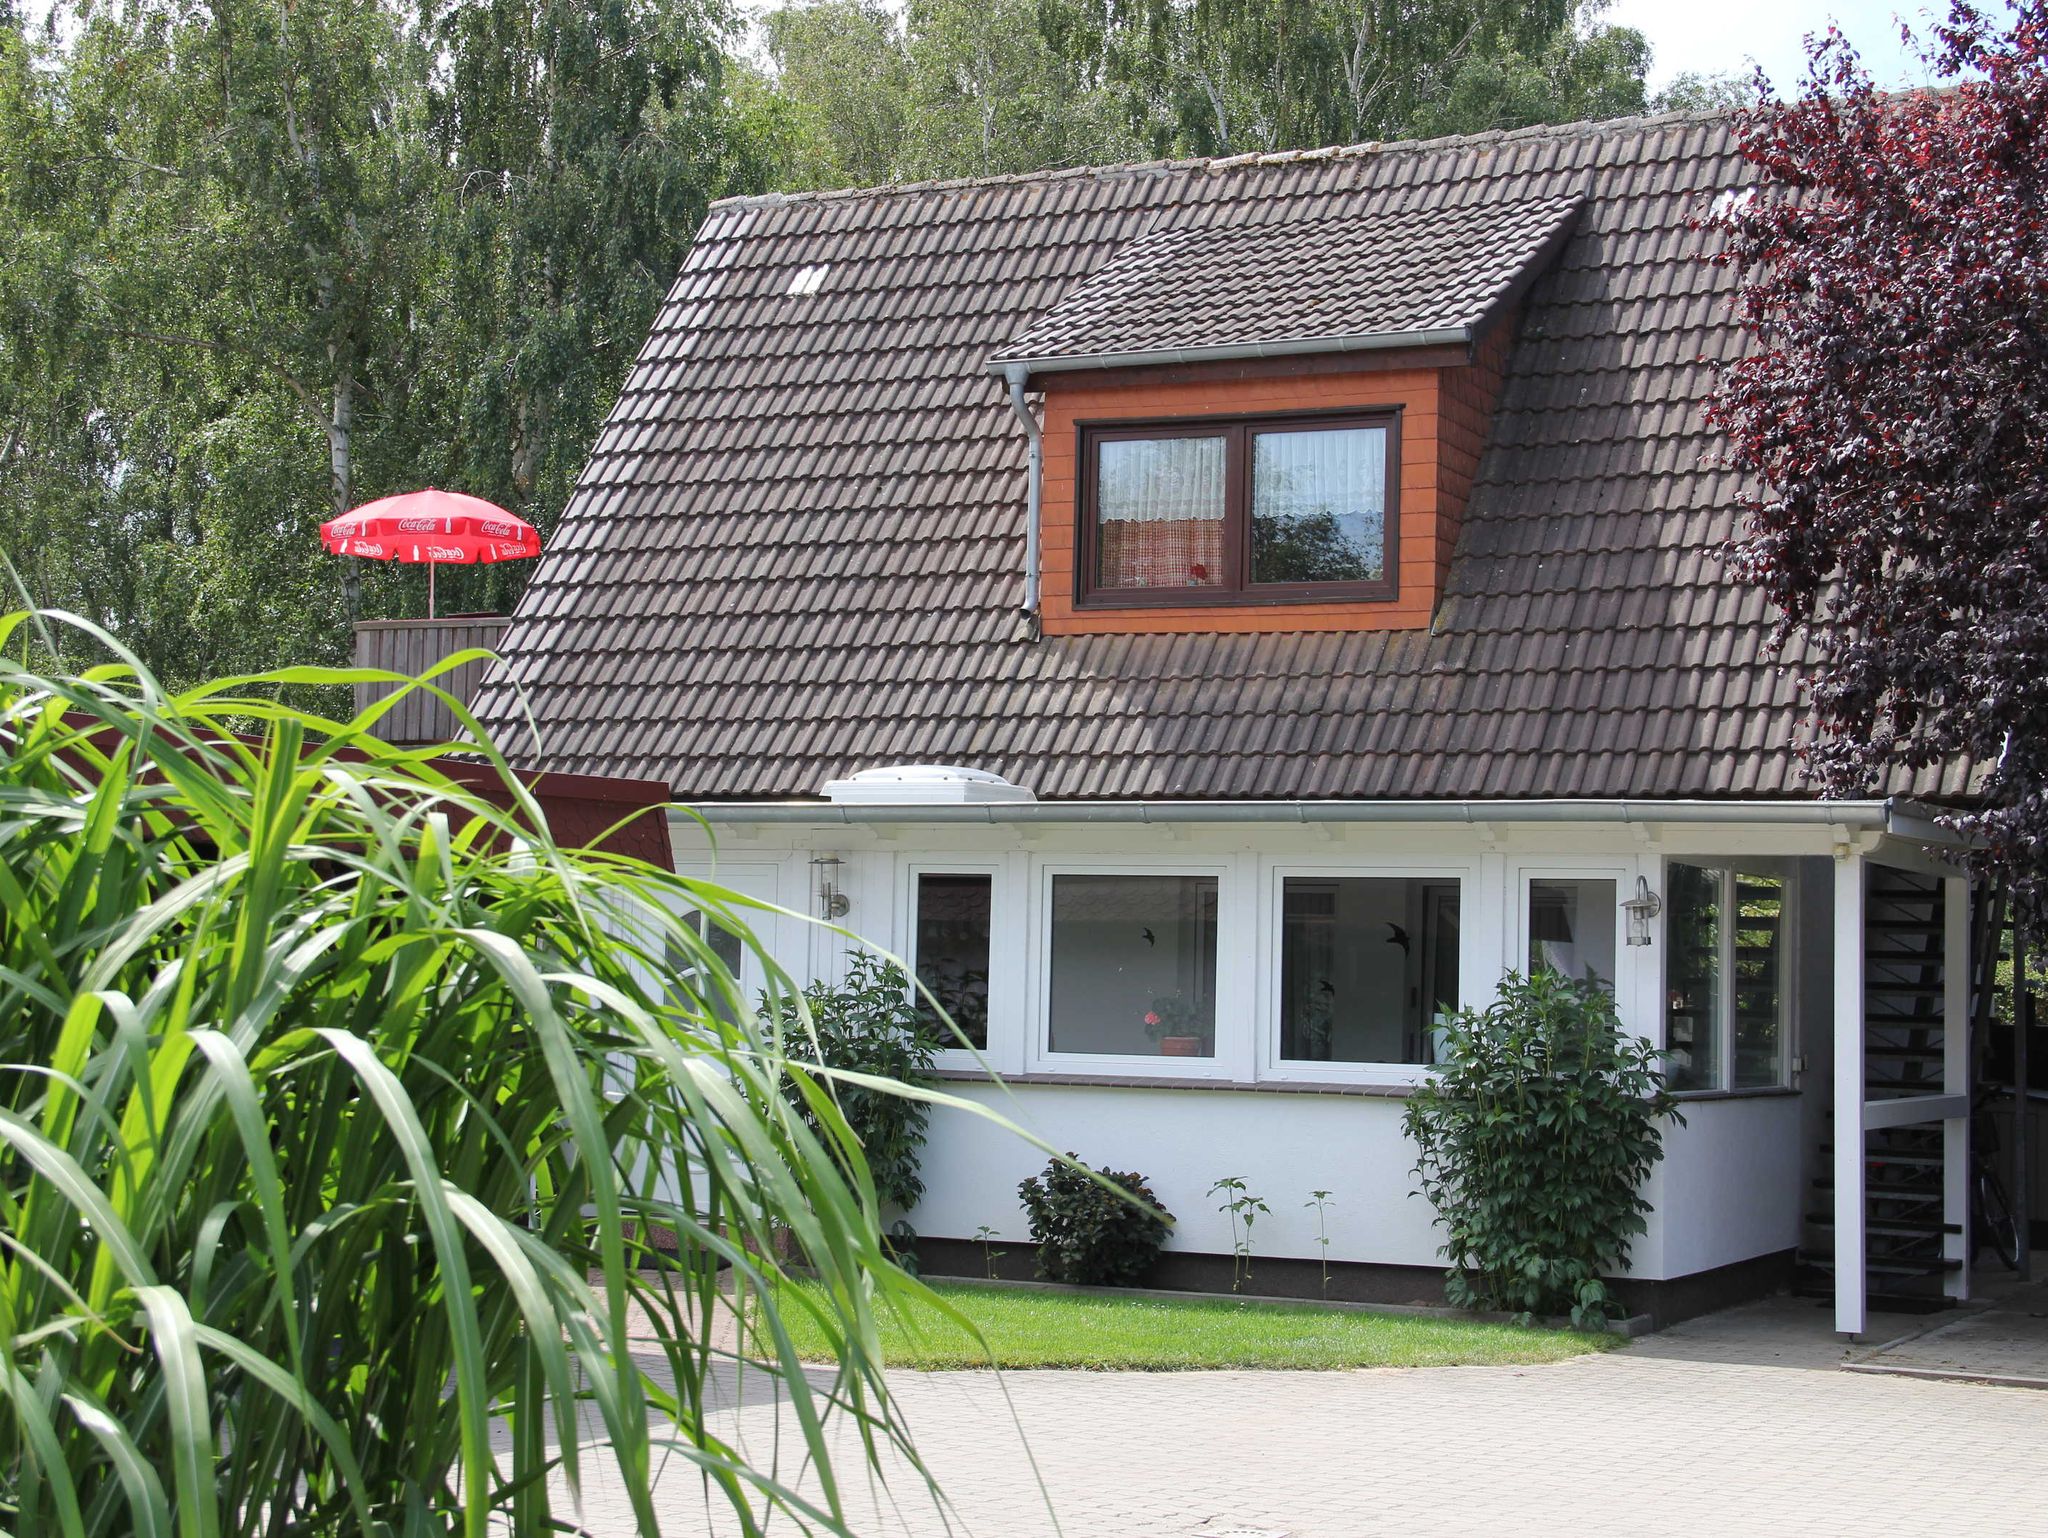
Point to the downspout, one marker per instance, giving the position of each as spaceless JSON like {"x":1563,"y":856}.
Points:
{"x":1017,"y":374}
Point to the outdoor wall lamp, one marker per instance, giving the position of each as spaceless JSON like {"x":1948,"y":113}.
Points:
{"x":832,"y":901}
{"x":1641,"y":908}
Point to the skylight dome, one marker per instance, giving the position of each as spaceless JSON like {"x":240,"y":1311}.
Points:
{"x":924,"y":785}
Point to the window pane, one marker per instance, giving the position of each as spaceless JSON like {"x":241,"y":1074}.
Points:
{"x":1319,"y":505}
{"x":1692,"y":978}
{"x":1759,"y":964}
{"x":725,"y":945}
{"x":952,"y":952}
{"x":1366,"y":965}
{"x":1159,"y":512}
{"x":1134,"y":965}
{"x":1571,"y":929}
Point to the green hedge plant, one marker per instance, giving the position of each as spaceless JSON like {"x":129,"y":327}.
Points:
{"x":335,"y":1102}
{"x":1097,"y":1228}
{"x":1533,"y":1143}
{"x":869,"y":1024}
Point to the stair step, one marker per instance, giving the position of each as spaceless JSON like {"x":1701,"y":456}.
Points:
{"x":1934,"y":1265}
{"x":1891,"y":1191}
{"x":1895,"y":1228}
{"x":1900,"y":1156}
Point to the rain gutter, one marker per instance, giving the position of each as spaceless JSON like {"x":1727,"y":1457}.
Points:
{"x":1018,"y":374}
{"x":1230,"y":352}
{"x":1884,"y":816}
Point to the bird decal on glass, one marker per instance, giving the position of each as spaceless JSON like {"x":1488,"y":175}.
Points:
{"x":1396,"y":935}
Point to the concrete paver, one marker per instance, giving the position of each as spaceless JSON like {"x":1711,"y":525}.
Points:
{"x":2008,"y":1340}
{"x":1738,"y":1423}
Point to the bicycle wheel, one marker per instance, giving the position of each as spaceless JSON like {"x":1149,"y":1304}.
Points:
{"x":1999,"y":1230}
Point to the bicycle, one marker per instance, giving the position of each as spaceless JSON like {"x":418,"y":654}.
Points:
{"x":1991,"y":1214}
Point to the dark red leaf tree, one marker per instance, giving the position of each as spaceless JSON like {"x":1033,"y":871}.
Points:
{"x":1892,"y":412}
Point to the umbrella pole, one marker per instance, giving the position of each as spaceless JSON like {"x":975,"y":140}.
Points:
{"x":430,"y":590}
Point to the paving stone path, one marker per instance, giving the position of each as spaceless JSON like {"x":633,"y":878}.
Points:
{"x":2008,"y":1342}
{"x":1741,"y":1423}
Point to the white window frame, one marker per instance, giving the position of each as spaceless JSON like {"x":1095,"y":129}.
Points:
{"x":1233,"y":1062}
{"x":1003,"y":963}
{"x":1476,"y":979}
{"x":1787,"y":873}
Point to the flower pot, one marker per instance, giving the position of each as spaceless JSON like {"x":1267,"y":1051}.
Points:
{"x":1180,"y":1046}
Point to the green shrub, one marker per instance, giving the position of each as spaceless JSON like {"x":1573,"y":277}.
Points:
{"x":1533,"y":1144}
{"x":334,"y":1102}
{"x":870,"y":1024}
{"x":1089,"y":1234}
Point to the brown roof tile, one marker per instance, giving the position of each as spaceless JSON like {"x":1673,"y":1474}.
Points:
{"x":796,"y":549}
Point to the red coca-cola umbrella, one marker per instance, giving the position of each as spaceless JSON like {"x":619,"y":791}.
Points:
{"x":433,"y":527}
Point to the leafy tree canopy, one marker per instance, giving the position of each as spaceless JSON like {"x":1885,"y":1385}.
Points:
{"x":973,"y":87}
{"x":270,"y":261}
{"x":1894,"y":414}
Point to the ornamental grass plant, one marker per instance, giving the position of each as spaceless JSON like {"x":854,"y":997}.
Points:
{"x":337,"y":1104}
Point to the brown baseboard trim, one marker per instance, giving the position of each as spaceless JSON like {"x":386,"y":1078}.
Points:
{"x":1285,"y":1279}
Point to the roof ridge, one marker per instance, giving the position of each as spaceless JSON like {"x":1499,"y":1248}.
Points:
{"x":1584,"y":128}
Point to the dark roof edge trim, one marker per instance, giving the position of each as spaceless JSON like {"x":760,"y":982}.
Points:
{"x":1890,"y":815}
{"x":1230,"y":352}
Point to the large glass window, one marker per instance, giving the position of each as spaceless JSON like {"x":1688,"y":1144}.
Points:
{"x":1692,"y":978}
{"x":1724,"y":967}
{"x":1571,"y":928}
{"x":1159,"y":512}
{"x":1133,"y":965}
{"x":951,"y":952}
{"x":1319,"y":505}
{"x":1268,"y":509}
{"x":1367,"y":963}
{"x":1757,"y":992}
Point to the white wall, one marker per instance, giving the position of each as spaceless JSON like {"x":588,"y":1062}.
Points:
{"x":1730,"y":1188}
{"x":1727,"y":1189}
{"x":1183,"y":1140}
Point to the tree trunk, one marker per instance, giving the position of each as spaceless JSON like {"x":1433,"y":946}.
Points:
{"x":342,"y":476}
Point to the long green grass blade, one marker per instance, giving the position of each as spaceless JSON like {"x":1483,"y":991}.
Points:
{"x":327,"y":1085}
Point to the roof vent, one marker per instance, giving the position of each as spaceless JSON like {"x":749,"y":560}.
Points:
{"x":924,"y":785}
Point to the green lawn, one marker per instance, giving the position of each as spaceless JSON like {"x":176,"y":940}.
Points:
{"x":1025,"y":1328}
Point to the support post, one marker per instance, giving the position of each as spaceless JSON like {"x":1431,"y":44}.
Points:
{"x":1849,"y":1092}
{"x":1955,"y":1079}
{"x":2022,"y":1027}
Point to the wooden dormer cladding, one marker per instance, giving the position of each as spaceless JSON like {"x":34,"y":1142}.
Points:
{"x":1442,"y":399}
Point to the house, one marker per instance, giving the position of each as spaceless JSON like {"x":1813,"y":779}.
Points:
{"x":1210,"y":617}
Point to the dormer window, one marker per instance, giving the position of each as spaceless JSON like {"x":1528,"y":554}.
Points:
{"x":1275,"y":509}
{"x":1269,"y":420}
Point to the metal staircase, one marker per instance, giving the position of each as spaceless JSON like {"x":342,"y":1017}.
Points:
{"x":1905,"y":1040}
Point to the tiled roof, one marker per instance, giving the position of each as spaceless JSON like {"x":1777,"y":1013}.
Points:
{"x":796,"y":551}
{"x":1298,"y":275}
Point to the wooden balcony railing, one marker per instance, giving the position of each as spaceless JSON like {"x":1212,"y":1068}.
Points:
{"x":411,"y":646}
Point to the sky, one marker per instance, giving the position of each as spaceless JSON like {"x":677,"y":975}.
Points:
{"x":1712,"y":37}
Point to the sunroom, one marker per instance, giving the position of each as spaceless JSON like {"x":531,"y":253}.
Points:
{"x":1202,"y":991}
